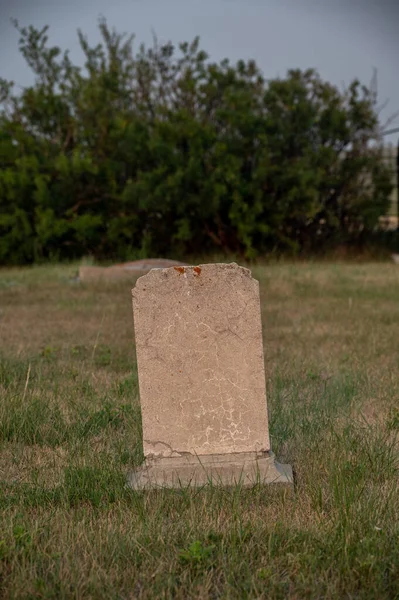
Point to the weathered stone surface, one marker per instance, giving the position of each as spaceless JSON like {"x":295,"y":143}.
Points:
{"x":201,"y":376}
{"x":124,"y":271}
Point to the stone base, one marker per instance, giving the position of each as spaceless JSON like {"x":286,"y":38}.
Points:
{"x":245,"y":468}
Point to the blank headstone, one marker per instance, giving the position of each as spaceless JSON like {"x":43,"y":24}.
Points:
{"x":201,"y":378}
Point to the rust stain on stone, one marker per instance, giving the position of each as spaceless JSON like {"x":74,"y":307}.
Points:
{"x":197,"y":271}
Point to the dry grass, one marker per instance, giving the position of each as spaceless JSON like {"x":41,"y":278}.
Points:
{"x":70,"y":429}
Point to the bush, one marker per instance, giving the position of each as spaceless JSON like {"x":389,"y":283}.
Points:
{"x":167,"y":153}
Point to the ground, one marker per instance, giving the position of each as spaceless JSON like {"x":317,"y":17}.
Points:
{"x":70,"y":430}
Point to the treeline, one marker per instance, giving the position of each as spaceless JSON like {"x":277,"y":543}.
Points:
{"x":162,"y":152}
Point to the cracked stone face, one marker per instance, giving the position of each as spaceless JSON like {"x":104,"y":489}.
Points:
{"x":200,"y":361}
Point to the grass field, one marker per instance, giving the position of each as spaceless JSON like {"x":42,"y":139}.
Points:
{"x":70,"y":430}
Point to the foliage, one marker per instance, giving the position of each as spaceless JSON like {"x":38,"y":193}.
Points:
{"x":164,"y":152}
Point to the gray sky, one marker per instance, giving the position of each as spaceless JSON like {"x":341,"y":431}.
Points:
{"x":342,"y":39}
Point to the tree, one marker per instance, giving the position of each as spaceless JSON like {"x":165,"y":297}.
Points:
{"x":165,"y":152}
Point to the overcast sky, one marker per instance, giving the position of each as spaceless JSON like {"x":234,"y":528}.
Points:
{"x":342,"y":39}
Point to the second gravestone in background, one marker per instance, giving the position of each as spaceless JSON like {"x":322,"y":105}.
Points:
{"x":201,"y":379}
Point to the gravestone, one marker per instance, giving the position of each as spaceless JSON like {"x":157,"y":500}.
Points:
{"x":201,"y":379}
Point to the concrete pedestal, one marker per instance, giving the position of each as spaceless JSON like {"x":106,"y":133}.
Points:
{"x":244,"y":468}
